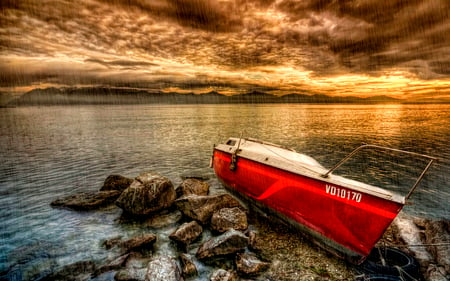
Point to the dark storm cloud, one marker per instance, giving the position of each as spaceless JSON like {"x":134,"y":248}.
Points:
{"x":125,"y":63}
{"x":371,"y":35}
{"x":202,"y":14}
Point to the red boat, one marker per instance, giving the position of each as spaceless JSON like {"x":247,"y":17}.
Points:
{"x":344,"y":216}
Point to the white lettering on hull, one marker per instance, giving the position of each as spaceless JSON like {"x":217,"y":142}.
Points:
{"x":343,"y":193}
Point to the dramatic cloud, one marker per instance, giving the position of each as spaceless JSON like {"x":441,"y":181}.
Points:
{"x":364,"y":47}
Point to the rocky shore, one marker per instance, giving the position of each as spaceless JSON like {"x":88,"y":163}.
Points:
{"x":218,"y":238}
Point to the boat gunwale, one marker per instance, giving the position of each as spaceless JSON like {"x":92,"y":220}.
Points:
{"x":301,"y":171}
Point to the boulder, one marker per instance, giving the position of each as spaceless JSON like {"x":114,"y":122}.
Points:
{"x":187,"y":233}
{"x":223,"y":275}
{"x":201,"y":208}
{"x":192,"y":186}
{"x":163,"y":268}
{"x":116,"y":182}
{"x":188,"y":267}
{"x":147,"y":194}
{"x":230,"y":242}
{"x":228,"y":218}
{"x":85,"y":201}
{"x":248,"y":264}
{"x":138,"y":243}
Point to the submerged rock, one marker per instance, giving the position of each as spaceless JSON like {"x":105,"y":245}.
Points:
{"x":223,"y":275}
{"x":135,"y":268}
{"x":192,"y":186}
{"x":187,"y":233}
{"x":148,"y":194}
{"x":163,"y":268}
{"x":228,"y":218}
{"x":248,"y":264}
{"x":87,"y":200}
{"x":139,"y":243}
{"x":131,"y":274}
{"x":116,"y":182}
{"x":77,"y":271}
{"x":201,"y":208}
{"x":230,"y":242}
{"x":115,"y":264}
{"x":188,"y":267}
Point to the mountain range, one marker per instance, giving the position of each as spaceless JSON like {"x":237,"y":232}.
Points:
{"x":96,"y":95}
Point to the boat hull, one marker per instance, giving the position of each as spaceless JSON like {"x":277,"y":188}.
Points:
{"x":346,"y":222}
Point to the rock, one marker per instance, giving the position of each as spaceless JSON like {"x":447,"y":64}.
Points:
{"x":254,"y":243}
{"x":163,"y":268}
{"x":138,"y":243}
{"x":137,"y":260}
{"x":73,"y":272}
{"x":192,"y":186}
{"x":201,"y":208}
{"x":131,"y":274}
{"x":436,"y":273}
{"x":163,"y":219}
{"x":116,"y":182}
{"x":87,"y":200}
{"x":110,"y":243}
{"x":230,"y":242}
{"x":436,"y":232}
{"x":188,"y":267}
{"x":223,"y":275}
{"x":135,"y":268}
{"x":148,"y":194}
{"x":249,"y":265}
{"x":228,"y":218}
{"x":115,"y":264}
{"x":187,"y":233}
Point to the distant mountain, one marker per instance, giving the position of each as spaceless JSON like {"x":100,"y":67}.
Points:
{"x":99,"y":95}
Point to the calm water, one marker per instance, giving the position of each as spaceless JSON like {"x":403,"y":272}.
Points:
{"x":49,"y":152}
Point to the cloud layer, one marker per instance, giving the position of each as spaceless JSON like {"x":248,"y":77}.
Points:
{"x":334,"y":47}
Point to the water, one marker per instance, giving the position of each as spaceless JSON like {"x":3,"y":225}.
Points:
{"x":50,"y":152}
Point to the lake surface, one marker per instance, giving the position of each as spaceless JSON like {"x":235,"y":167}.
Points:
{"x":51,"y":152}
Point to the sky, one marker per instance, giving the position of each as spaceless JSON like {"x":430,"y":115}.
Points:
{"x":398,"y":48}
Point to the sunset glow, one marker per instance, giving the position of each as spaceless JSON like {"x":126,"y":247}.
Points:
{"x":231,"y":47}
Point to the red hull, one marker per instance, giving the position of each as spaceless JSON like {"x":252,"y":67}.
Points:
{"x":347,"y":221}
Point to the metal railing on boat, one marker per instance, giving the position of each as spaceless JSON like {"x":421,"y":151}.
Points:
{"x":430,"y":158}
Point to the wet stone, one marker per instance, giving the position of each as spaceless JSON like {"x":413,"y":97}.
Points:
{"x":201,"y":208}
{"x":223,"y":275}
{"x":116,"y":182}
{"x":85,"y":201}
{"x":188,"y":267}
{"x":147,"y":194}
{"x":187,"y":233}
{"x":139,"y":243}
{"x":230,"y":242}
{"x":228,"y":218}
{"x":248,"y":264}
{"x":163,"y":268}
{"x":192,"y":186}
